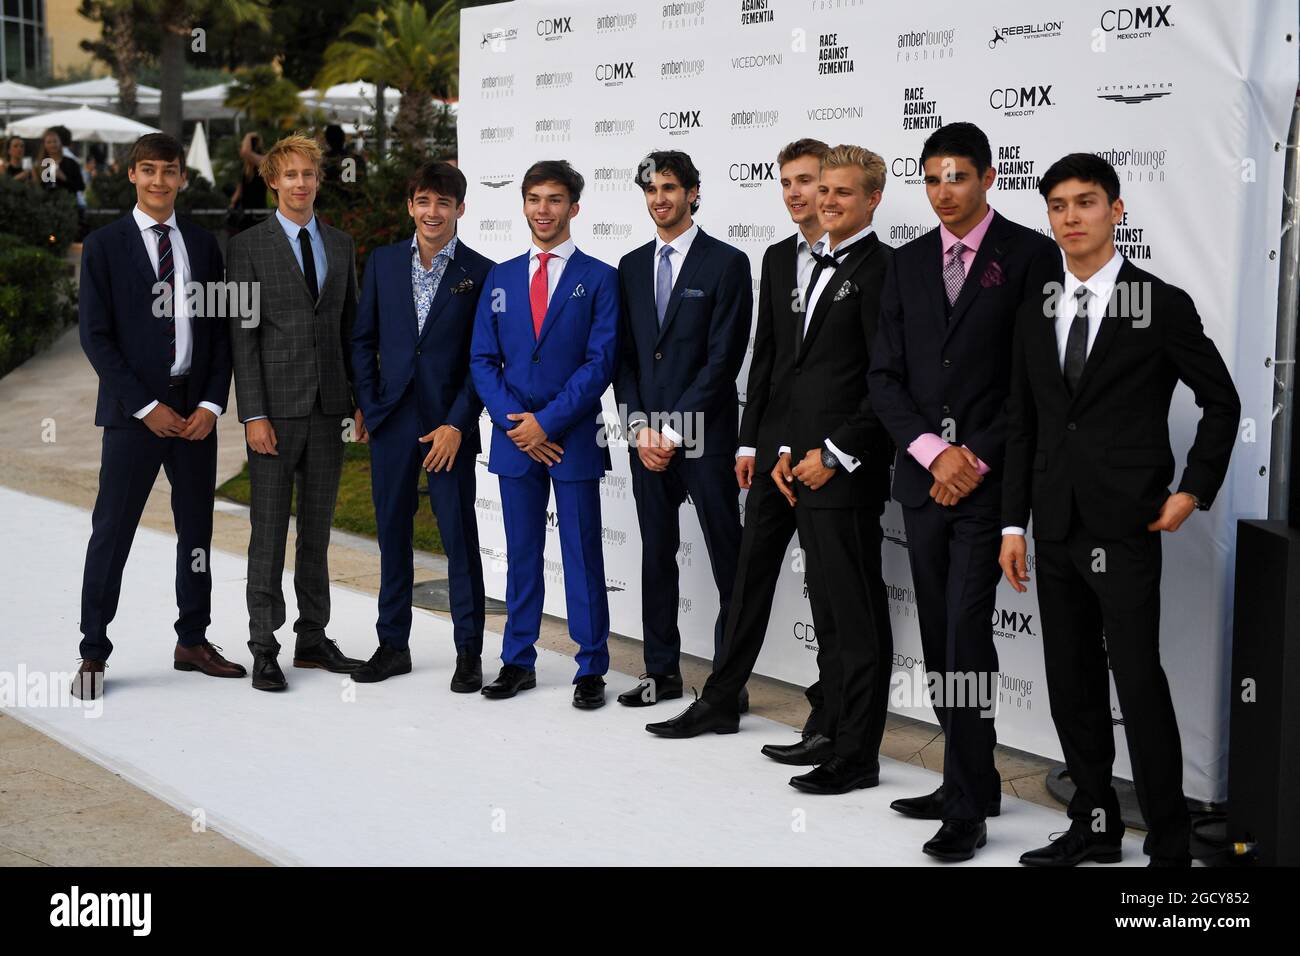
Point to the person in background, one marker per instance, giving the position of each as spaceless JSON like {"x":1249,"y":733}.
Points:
{"x":343,"y":167}
{"x":15,"y":162}
{"x":251,"y":192}
{"x":56,"y":170}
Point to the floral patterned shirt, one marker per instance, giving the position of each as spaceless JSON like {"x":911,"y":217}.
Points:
{"x":424,"y":285}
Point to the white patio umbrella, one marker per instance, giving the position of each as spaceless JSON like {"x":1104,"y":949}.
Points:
{"x":19,"y":99}
{"x":197,"y":158}
{"x":208,"y":103}
{"x":84,"y":124}
{"x":354,"y":102}
{"x":99,"y":92}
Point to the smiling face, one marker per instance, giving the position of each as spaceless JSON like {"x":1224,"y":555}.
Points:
{"x":548,"y":209}
{"x":157,"y":182}
{"x":1083,"y":219}
{"x":843,"y":203}
{"x":957,"y":192}
{"x":668,"y":202}
{"x":435,"y":216}
{"x":799,"y":179}
{"x":296,"y":185}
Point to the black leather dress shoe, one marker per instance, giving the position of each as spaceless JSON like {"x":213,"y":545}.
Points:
{"x":326,"y":655}
{"x":652,"y":689}
{"x":837,"y":775}
{"x":930,"y":807}
{"x":1070,"y":849}
{"x":266,"y":670}
{"x":384,"y":663}
{"x":957,"y":840}
{"x":469,"y":673}
{"x":808,"y":752}
{"x":589,"y":692}
{"x":699,"y":718}
{"x":509,"y":682}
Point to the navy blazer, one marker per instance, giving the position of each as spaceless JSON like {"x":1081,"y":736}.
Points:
{"x":559,"y":375}
{"x":686,"y":370}
{"x":389,"y":351}
{"x":950,"y":375}
{"x":126,"y":343}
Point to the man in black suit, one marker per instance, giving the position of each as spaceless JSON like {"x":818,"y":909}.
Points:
{"x":1097,"y":357}
{"x":769,"y":520}
{"x":164,"y":378}
{"x":939,"y":375}
{"x":686,"y":306}
{"x":833,"y":470}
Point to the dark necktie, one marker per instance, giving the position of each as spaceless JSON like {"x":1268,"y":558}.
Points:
{"x":1076,"y":343}
{"x":166,"y":273}
{"x":308,"y":263}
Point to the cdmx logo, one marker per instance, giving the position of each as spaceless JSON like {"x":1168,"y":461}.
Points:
{"x":554,"y":27}
{"x":680,"y":120}
{"x":1136,"y":18}
{"x":614,"y":71}
{"x":1014,"y":98}
{"x":752,"y":174}
{"x":805,"y":633}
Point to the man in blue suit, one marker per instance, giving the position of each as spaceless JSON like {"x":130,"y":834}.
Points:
{"x":164,"y":377}
{"x":545,"y":342}
{"x":410,"y":359}
{"x":687,"y":301}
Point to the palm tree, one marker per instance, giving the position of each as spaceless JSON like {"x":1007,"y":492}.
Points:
{"x":268,"y":100}
{"x":403,"y":46}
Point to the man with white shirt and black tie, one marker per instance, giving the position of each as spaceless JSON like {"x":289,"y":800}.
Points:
{"x":164,"y":378}
{"x":684,"y":325}
{"x":1096,"y":360}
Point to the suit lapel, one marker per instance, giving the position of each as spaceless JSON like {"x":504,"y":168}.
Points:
{"x":992,"y":249}
{"x":135,"y":242}
{"x":336,"y":255}
{"x":690,"y":267}
{"x":453,"y":274}
{"x":864,"y":250}
{"x":282,"y":248}
{"x":932,"y":280}
{"x":570,"y":279}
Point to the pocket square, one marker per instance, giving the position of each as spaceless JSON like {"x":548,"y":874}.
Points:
{"x":578,"y":292}
{"x":846,"y":290}
{"x":992,"y":276}
{"x":692,"y":293}
{"x":463,"y":286}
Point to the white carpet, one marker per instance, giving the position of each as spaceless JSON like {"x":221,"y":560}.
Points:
{"x":405,"y":772}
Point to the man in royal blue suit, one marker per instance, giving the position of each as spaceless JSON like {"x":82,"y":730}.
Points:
{"x":687,"y":302}
{"x":545,"y":341}
{"x":164,"y":377}
{"x":410,"y":358}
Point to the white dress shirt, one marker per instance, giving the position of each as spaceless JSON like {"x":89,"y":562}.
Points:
{"x":847,"y":461}
{"x":681,"y":245}
{"x":554,"y":266}
{"x":1101,"y":284}
{"x":181,"y":275}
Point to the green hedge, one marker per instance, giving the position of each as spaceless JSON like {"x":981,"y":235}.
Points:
{"x":37,"y":216}
{"x":37,"y":300}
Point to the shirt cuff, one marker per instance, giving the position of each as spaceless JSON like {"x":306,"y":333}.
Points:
{"x":214,"y":409}
{"x":783,"y":450}
{"x":745,"y":451}
{"x":926,"y":448}
{"x":146,"y":410}
{"x":982,"y":468}
{"x":452,"y":427}
{"x":669,"y":433}
{"x":254,"y":418}
{"x":848,"y":461}
{"x":1014,"y":530}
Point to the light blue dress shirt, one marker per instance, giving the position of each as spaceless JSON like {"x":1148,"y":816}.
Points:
{"x":291,"y":229}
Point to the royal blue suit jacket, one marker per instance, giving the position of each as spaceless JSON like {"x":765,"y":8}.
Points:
{"x":389,"y":352}
{"x":558,"y":375}
{"x":126,"y":343}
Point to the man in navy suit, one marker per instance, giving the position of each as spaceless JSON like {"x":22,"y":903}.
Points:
{"x":164,"y":377}
{"x":940,"y":374}
{"x":544,"y":348}
{"x":410,"y":358}
{"x":687,"y":301}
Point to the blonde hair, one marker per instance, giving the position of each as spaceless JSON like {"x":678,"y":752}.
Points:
{"x":295,"y":143}
{"x":872,"y":166}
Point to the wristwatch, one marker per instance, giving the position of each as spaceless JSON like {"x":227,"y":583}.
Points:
{"x":828,"y":458}
{"x":1197,"y":502}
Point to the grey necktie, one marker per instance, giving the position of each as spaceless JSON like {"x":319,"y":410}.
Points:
{"x":663,"y":283}
{"x":954,"y":273}
{"x":1076,"y":343}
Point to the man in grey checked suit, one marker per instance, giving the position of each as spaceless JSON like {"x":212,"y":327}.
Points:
{"x":293,"y":382}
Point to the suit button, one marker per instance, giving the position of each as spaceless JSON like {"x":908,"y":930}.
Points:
{"x":947,"y":410}
{"x":417,"y":351}
{"x":658,"y":356}
{"x":947,"y":363}
{"x":1072,"y":427}
{"x":537,"y":360}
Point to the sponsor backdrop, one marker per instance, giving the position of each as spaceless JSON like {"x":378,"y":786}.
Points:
{"x":1188,"y":99}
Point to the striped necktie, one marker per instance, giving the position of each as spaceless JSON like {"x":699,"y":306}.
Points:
{"x":166,"y":273}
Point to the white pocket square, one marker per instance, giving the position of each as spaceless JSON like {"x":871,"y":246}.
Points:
{"x":692,"y":293}
{"x":578,"y":292}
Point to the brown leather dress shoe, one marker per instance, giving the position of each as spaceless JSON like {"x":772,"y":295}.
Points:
{"x":88,"y":683}
{"x":206,"y":659}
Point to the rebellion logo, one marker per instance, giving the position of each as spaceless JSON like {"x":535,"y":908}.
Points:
{"x":1134,"y":94}
{"x":1025,"y":31}
{"x":680,"y":122}
{"x":681,"y":69}
{"x":497,"y":39}
{"x":750,"y":175}
{"x":615,"y":74}
{"x":1136,"y":23}
{"x":755,"y":11}
{"x":554,"y":28}
{"x":1021,"y":100}
{"x":755,"y":119}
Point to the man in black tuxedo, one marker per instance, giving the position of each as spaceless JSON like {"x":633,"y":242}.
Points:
{"x":833,"y":470}
{"x":686,"y":306}
{"x":1097,"y":357}
{"x":164,"y":377}
{"x":769,"y":520}
{"x":939,"y":377}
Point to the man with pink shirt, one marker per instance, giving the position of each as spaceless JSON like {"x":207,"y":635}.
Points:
{"x":940,"y":373}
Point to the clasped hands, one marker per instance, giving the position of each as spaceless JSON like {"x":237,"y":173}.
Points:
{"x":530,"y":438}
{"x":810,"y":471}
{"x":163,"y":421}
{"x":956,"y":473}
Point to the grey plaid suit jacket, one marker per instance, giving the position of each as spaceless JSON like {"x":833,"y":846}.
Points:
{"x":298,"y":347}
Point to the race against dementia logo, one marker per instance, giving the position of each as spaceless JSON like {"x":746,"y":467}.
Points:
{"x":753,"y":12}
{"x":833,"y":55}
{"x":920,"y":111}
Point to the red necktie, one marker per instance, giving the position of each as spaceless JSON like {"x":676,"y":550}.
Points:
{"x":537,"y":292}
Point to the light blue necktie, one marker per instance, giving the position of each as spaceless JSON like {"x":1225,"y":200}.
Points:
{"x":663,"y":283}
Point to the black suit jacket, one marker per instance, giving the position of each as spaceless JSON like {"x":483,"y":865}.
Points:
{"x":767,"y":393}
{"x":125,"y":342}
{"x":688,"y":368}
{"x":827,"y":383}
{"x":1106,"y":449}
{"x":949,"y":375}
